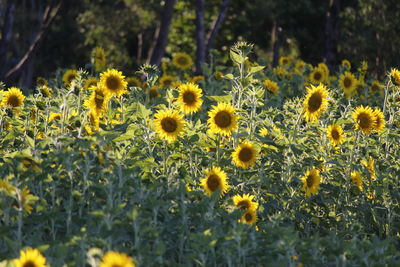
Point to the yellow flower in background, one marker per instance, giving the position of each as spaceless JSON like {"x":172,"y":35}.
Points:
{"x":348,"y":83}
{"x":335,"y":134}
{"x":99,"y":58}
{"x":30,"y":258}
{"x":153,"y":92}
{"x":54,"y":116}
{"x":263,"y":132}
{"x":363,"y":68}
{"x":376,"y":86}
{"x":216,"y":179}
{"x":317,"y":76}
{"x":300,"y":67}
{"x":189,"y":98}
{"x":245,"y":155}
{"x":40,"y":81}
{"x":133,"y":82}
{"x":46,"y":91}
{"x":284,"y":61}
{"x":379,"y":120}
{"x":365,"y":119}
{"x":249,"y":217}
{"x":113,"y":82}
{"x":356,"y":179}
{"x":370,"y":165}
{"x":69,"y":76}
{"x":280,"y":71}
{"x":222,"y":119}
{"x":169,"y":124}
{"x":324,"y":68}
{"x":116,"y":259}
{"x":166,"y":80}
{"x":395,"y":76}
{"x":197,"y":79}
{"x":316,"y":102}
{"x":7,"y":187}
{"x":311,"y":182}
{"x":346,"y":64}
{"x":90,"y":82}
{"x":182,"y":61}
{"x":27,"y":200}
{"x":13,"y":98}
{"x":245,"y":202}
{"x":97,"y":101}
{"x":271,"y":86}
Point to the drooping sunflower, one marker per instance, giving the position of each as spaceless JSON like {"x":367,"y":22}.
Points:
{"x":395,"y":76}
{"x":379,"y":120}
{"x":271,"y":86}
{"x":166,"y":80}
{"x":30,"y":258}
{"x":316,"y":102}
{"x":99,"y":58}
{"x":245,"y":202}
{"x":97,"y":101}
{"x":284,"y":61}
{"x":40,"y":81}
{"x":113,"y":82}
{"x":190,"y":98}
{"x":116,"y":259}
{"x":249,"y":217}
{"x":169,"y":124}
{"x":365,"y":119}
{"x":222,"y":119}
{"x":370,"y":165}
{"x":216,"y":179}
{"x":196,"y":79}
{"x":133,"y":82}
{"x":69,"y":76}
{"x":311,"y":182}
{"x":348,"y":82}
{"x":182,"y":61}
{"x":245,"y":155}
{"x":91,"y":81}
{"x":356,"y":179}
{"x":346,"y":64}
{"x":13,"y":98}
{"x":335,"y":134}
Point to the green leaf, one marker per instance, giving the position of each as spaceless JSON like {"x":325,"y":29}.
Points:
{"x":222,"y":98}
{"x":256,"y":69}
{"x":236,"y":57}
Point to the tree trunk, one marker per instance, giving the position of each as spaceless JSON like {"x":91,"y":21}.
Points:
{"x":162,"y":33}
{"x":216,"y":25}
{"x":275,"y":38}
{"x":332,"y":34}
{"x":6,"y":34}
{"x":201,"y":50}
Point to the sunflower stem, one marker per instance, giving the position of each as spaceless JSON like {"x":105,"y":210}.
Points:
{"x":352,"y":154}
{"x":386,"y":96}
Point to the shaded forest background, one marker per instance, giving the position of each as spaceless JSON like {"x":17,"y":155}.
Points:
{"x":40,"y":36}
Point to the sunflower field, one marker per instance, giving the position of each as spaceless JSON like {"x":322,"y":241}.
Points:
{"x":246,"y":165}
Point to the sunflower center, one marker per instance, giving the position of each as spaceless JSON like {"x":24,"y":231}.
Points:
{"x":167,"y":82}
{"x":335,"y":134}
{"x":245,"y":154}
{"x":112,"y":83}
{"x":347,"y":82}
{"x":364,"y":121}
{"x":13,"y":101}
{"x":182,"y":61}
{"x":116,"y":265}
{"x":169,"y":125}
{"x":213,"y":182}
{"x":317,"y":76}
{"x":310,"y":180}
{"x":189,"y":98}
{"x":223,"y":119}
{"x":29,"y":264}
{"x":314,"y":102}
{"x":248,"y":217}
{"x":375,"y":88}
{"x":244,"y":204}
{"x":71,"y":77}
{"x":153,"y":93}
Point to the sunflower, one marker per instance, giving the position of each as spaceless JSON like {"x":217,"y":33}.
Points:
{"x":169,"y":124}
{"x":40,"y":81}
{"x":300,"y":67}
{"x":7,"y":187}
{"x":395,"y":76}
{"x":99,"y":58}
{"x":216,"y":179}
{"x":197,"y":79}
{"x":348,"y":83}
{"x":190,"y":98}
{"x":245,"y":155}
{"x":27,"y":200}
{"x":115,"y":259}
{"x":30,"y":258}
{"x":379,"y":120}
{"x":370,"y":165}
{"x":363,"y":68}
{"x":13,"y":98}
{"x":356,"y":179}
{"x":317,"y":76}
{"x":113,"y":82}
{"x":69,"y":76}
{"x":166,"y":80}
{"x":315,"y":102}
{"x":281,"y":72}
{"x":153,"y":92}
{"x":346,"y":64}
{"x":263,"y":132}
{"x":133,"y":82}
{"x":284,"y":61}
{"x":182,"y":61}
{"x":91,"y":81}
{"x":46,"y":91}
{"x":311,"y":182}
{"x":245,"y":202}
{"x":335,"y":134}
{"x":97,"y":101}
{"x":94,"y":120}
{"x":271,"y":86}
{"x":249,"y":217}
{"x":54,"y":116}
{"x":324,"y":68}
{"x":365,"y":119}
{"x":222,"y":119}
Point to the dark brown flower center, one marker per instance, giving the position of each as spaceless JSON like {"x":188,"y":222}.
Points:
{"x":244,"y":204}
{"x":347,"y":82}
{"x":13,"y":101}
{"x":317,"y":76}
{"x":314,"y":102}
{"x":112,"y":83}
{"x":99,"y":99}
{"x":71,"y":77}
{"x":310,"y":180}
{"x":153,"y":93}
{"x":29,"y":264}
{"x":169,"y":125}
{"x":245,"y":154}
{"x":223,"y":119}
{"x":213,"y":182}
{"x":248,"y":217}
{"x":364,"y":121}
{"x":335,"y":134}
{"x":182,"y":60}
{"x":189,"y":98}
